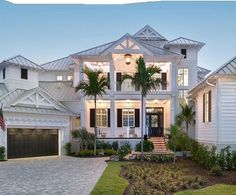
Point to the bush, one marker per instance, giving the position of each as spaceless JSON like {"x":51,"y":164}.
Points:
{"x":216,"y":171}
{"x":86,"y":153}
{"x":157,"y":158}
{"x":103,"y":145}
{"x":147,"y":146}
{"x":68,"y":148}
{"x":123,"y":151}
{"x":126,"y":144}
{"x":2,"y":153}
{"x":110,"y":152}
{"x":115,"y":145}
{"x":86,"y":138}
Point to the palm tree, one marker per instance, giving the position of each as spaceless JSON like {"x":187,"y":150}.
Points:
{"x":94,"y":86}
{"x":185,"y":116}
{"x":145,"y":78}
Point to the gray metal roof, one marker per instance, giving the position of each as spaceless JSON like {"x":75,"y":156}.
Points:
{"x":202,"y":72}
{"x":20,"y":61}
{"x":62,"y":91}
{"x":227,"y":68}
{"x":184,"y":41}
{"x":3,"y":89}
{"x":59,"y":64}
{"x":10,"y":98}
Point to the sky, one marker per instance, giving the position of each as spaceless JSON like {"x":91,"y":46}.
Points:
{"x":43,"y":33}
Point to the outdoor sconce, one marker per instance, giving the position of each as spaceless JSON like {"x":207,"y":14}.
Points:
{"x":127,"y":59}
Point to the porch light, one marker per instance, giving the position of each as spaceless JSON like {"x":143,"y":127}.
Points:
{"x":127,"y":59}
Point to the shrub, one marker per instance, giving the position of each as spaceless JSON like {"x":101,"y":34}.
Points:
{"x":147,"y":146}
{"x":2,"y":153}
{"x":216,"y":171}
{"x":157,"y":158}
{"x":86,"y":138}
{"x":68,"y":148}
{"x":110,"y":152}
{"x":86,"y":153}
{"x":126,"y":144}
{"x":115,"y":145}
{"x":103,"y":145}
{"x":123,"y":151}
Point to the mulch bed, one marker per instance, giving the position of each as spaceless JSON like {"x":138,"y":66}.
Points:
{"x":195,"y":169}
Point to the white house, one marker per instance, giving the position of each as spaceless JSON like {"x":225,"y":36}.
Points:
{"x":41,"y":105}
{"x":215,"y":104}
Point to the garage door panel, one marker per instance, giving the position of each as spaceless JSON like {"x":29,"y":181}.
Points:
{"x":32,"y":143}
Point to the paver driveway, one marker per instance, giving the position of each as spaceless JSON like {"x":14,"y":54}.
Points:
{"x":51,"y":175}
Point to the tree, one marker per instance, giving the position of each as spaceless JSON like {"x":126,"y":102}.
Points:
{"x":94,"y":86}
{"x":185,"y":116}
{"x":145,"y":78}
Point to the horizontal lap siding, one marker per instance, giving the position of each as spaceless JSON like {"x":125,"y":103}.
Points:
{"x":206,"y":132}
{"x":227,"y":126}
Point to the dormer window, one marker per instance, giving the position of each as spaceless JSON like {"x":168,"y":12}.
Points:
{"x":59,"y":78}
{"x":24,"y":73}
{"x":184,"y":53}
{"x":3,"y":73}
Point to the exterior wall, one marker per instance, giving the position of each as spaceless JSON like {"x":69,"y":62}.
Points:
{"x":227,"y":112}
{"x":52,"y":75}
{"x":13,"y":78}
{"x":36,"y":121}
{"x":206,"y":132}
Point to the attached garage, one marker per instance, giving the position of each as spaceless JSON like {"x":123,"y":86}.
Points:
{"x":31,"y":142}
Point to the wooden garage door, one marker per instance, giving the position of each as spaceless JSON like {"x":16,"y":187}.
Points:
{"x":31,"y":142}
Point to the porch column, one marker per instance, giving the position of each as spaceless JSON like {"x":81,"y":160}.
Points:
{"x":82,"y":100}
{"x":112,"y":99}
{"x":174,"y":96}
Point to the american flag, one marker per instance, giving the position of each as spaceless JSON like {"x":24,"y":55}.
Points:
{"x":2,"y":122}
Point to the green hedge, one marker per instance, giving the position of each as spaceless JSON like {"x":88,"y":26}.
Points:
{"x":147,"y":146}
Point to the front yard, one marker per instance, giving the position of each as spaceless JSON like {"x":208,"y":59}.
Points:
{"x":167,"y":178}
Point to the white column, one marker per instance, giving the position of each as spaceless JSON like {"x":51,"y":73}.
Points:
{"x":112,"y":100}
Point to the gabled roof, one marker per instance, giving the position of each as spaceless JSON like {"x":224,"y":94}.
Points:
{"x":202,"y":72}
{"x":60,"y":64}
{"x":148,"y":32}
{"x":25,"y":101}
{"x":184,"y":41}
{"x":228,"y":68}
{"x":20,"y":61}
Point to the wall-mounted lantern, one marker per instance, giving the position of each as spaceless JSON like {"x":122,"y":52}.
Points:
{"x":127,"y":59}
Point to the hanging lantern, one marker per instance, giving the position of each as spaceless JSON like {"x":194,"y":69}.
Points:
{"x":127,"y":59}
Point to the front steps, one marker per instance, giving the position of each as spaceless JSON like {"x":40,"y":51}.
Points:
{"x":159,"y":144}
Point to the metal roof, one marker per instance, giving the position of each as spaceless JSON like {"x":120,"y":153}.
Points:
{"x":184,"y":41}
{"x":3,"y":89}
{"x":59,"y":64}
{"x":227,"y":68}
{"x":202,"y":72}
{"x":62,"y":91}
{"x":20,"y":61}
{"x":12,"y":97}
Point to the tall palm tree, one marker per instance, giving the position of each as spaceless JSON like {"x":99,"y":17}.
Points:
{"x":94,"y":86}
{"x":186,"y":116}
{"x":145,"y":78}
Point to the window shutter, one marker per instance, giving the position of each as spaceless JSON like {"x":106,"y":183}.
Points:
{"x":119,"y":117}
{"x":92,"y":119}
{"x":203,"y":108}
{"x":108,"y":117}
{"x":209,"y":106}
{"x":137,"y":116}
{"x":118,"y":81}
{"x":164,"y":80}
{"x":108,"y":79}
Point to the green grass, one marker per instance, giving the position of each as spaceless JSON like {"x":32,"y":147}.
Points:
{"x":218,"y":189}
{"x":110,"y":182}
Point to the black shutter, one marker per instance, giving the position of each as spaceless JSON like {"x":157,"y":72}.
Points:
{"x":108,"y":79}
{"x":118,"y":81}
{"x":137,"y":116}
{"x":203,"y":108}
{"x":92,"y":119}
{"x":209,"y":106}
{"x":164,"y":80}
{"x":108,"y":117}
{"x":119,"y":117}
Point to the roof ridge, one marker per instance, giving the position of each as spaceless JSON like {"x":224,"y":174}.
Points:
{"x":186,"y":39}
{"x":55,"y":60}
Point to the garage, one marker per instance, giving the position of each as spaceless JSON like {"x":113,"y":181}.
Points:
{"x":31,"y":142}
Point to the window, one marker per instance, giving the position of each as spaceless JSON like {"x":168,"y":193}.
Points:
{"x":182,"y":96}
{"x":59,"y":78}
{"x":128,"y":117}
{"x":69,"y":78}
{"x":3,"y":73}
{"x":102,"y":117}
{"x":207,"y":107}
{"x":183,"y":77}
{"x":184,"y":53}
{"x":24,"y":73}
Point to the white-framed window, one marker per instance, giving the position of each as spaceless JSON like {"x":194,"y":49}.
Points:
{"x":128,"y":118}
{"x":182,"y":96}
{"x":183,"y":77}
{"x":59,"y":77}
{"x":102,"y":117}
{"x":207,"y":107}
{"x":69,"y":77}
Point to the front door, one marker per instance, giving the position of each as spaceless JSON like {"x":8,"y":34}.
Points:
{"x":154,"y":122}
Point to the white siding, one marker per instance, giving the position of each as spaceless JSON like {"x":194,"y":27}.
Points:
{"x":206,"y":132}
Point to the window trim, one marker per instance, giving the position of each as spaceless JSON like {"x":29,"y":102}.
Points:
{"x":101,"y":117}
{"x":181,"y":73}
{"x":61,"y":77}
{"x":184,"y":53}
{"x":25,"y":77}
{"x":129,"y":115}
{"x":207,"y":99}
{"x":69,"y":76}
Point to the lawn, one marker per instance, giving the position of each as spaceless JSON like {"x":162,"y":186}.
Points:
{"x":110,"y":182}
{"x":218,"y":189}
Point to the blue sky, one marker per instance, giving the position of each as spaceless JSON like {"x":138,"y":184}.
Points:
{"x":46,"y":32}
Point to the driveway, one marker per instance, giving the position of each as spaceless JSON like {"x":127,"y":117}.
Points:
{"x":50,"y":175}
